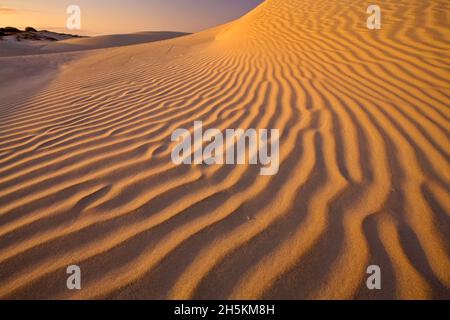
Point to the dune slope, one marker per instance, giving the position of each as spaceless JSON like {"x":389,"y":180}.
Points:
{"x":108,"y":41}
{"x":86,"y":176}
{"x":10,"y":47}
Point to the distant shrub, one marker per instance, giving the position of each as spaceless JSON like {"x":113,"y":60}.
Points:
{"x":30,"y":29}
{"x":10,"y":30}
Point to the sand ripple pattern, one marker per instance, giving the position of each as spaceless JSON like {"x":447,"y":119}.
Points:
{"x":86,"y":176}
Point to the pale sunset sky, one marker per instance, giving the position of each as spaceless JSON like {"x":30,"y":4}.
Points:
{"x":123,"y":16}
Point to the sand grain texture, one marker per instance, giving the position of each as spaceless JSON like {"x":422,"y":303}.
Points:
{"x":86,"y":176}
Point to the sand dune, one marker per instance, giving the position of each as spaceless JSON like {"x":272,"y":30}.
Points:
{"x":108,"y":41}
{"x":10,"y":47}
{"x":15,"y":42}
{"x":86,"y":176}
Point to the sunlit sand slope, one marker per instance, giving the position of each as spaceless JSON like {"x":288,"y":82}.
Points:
{"x":86,"y":176}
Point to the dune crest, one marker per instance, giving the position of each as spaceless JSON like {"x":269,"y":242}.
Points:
{"x":86,"y":176}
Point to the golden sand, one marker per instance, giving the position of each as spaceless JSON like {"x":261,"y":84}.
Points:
{"x":86,"y":176}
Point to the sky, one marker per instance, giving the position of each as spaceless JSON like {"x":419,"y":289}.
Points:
{"x":123,"y":16}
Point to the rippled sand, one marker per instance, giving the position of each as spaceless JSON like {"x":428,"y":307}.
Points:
{"x":86,"y":175}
